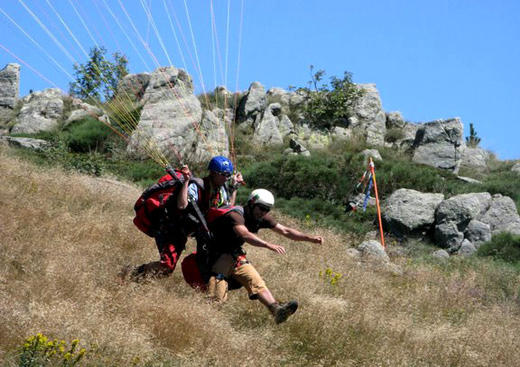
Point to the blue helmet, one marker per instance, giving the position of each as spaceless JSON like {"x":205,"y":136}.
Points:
{"x":221,"y":164}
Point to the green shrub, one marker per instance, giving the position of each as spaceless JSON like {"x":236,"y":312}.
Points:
{"x":503,"y":246}
{"x":394,"y":134}
{"x":330,"y":105}
{"x":88,"y":135}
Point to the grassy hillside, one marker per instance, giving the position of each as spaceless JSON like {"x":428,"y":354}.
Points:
{"x":65,"y":236}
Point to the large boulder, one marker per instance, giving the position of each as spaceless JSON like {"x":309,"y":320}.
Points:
{"x":171,"y":119}
{"x":41,"y":111}
{"x":516,"y":168}
{"x":252,"y":104}
{"x":502,"y":215}
{"x":267,"y":131}
{"x":291,"y":102}
{"x":461,"y":209}
{"x":369,"y":118}
{"x":408,"y":211}
{"x":448,"y":236}
{"x":132,"y":87}
{"x":213,"y":134}
{"x":9,"y":90}
{"x":81,"y":110}
{"x":475,"y":157}
{"x":440,"y":144}
{"x":28,"y":143}
{"x":477,"y":232}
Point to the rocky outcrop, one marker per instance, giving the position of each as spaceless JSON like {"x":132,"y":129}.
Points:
{"x":41,"y":111}
{"x":252,"y":105}
{"x":502,"y":215}
{"x":28,"y":143}
{"x":440,"y":144}
{"x":297,"y":148}
{"x":516,"y":168}
{"x":408,"y":211}
{"x":172,"y":120}
{"x":474,"y":218}
{"x":9,"y":90}
{"x":475,"y":157}
{"x":81,"y":110}
{"x":368,"y":118}
{"x":267,"y":129}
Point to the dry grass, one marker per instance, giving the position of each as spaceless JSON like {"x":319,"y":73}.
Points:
{"x":64,"y":238}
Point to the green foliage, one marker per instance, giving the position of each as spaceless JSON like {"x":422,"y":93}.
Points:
{"x":87,"y":135}
{"x":97,"y":79}
{"x":38,"y":351}
{"x":472,"y":140}
{"x":394,"y":134}
{"x":330,"y":105}
{"x":503,"y":246}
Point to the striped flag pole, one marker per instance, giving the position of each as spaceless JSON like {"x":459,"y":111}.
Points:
{"x":372,"y":169}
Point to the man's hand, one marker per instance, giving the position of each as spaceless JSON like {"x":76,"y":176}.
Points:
{"x":276,"y":248}
{"x":317,"y":239}
{"x":237,"y":179}
{"x":185,"y":170}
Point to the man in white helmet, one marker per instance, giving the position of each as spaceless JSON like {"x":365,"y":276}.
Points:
{"x":230,"y":231}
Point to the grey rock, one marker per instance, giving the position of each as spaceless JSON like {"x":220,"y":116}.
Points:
{"x":394,"y":119}
{"x":41,"y":111}
{"x":341,"y":133}
{"x":353,"y":253}
{"x":407,"y":211}
{"x":209,"y":139}
{"x":29,"y":143}
{"x":440,"y":144}
{"x":461,"y":209}
{"x":81,"y":110}
{"x":132,"y":87}
{"x":368,"y":118}
{"x":170,"y":117}
{"x":475,"y":157}
{"x":441,"y":254}
{"x":370,"y":153}
{"x":448,"y":236}
{"x":469,"y":180}
{"x":478,"y":232}
{"x":466,"y":249}
{"x":502,"y":215}
{"x":252,"y":104}
{"x":516,"y":168}
{"x":267,"y":133}
{"x":373,"y":250}
{"x":9,"y":90}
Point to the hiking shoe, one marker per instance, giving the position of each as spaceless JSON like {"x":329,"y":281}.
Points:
{"x":284,"y":310}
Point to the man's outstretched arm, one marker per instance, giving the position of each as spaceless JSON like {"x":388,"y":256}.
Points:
{"x":254,"y":240}
{"x":296,"y":235}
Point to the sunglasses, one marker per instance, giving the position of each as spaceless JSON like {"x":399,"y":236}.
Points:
{"x":263,"y":208}
{"x":225,"y":174}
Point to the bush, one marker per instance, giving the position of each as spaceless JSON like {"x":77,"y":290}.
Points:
{"x":503,"y":246}
{"x":88,"y":135}
{"x":329,"y":106}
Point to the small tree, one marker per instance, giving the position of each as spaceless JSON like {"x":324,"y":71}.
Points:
{"x":98,"y":78}
{"x":329,"y":106}
{"x":472,"y":140}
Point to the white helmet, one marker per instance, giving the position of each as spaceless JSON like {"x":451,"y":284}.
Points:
{"x":261,"y":196}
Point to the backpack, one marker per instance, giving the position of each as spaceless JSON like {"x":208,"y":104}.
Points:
{"x":151,"y":207}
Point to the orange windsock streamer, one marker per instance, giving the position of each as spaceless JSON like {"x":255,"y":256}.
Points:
{"x":372,"y":169}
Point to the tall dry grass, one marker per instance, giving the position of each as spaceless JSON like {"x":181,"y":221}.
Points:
{"x":64,"y":238}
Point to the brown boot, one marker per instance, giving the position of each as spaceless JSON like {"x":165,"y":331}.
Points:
{"x":281,"y":312}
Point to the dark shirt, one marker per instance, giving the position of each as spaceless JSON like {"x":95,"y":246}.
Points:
{"x":226,"y":239}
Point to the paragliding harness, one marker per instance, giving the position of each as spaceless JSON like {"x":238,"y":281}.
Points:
{"x":196,"y":267}
{"x":157,"y":205}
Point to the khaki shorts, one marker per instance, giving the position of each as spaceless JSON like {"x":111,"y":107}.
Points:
{"x":245,"y":274}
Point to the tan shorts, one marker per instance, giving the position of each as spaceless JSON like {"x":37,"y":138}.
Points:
{"x":245,"y":274}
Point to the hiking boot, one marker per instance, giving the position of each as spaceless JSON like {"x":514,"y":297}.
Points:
{"x":282,"y":311}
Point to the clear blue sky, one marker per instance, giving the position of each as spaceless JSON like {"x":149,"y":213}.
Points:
{"x":429,"y":59}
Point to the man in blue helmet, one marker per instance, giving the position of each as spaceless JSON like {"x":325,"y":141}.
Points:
{"x":219,"y":187}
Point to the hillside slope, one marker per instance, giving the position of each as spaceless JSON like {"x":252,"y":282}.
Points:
{"x":64,"y":238}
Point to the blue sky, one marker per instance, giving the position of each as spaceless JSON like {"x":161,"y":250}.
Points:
{"x":429,"y":59}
